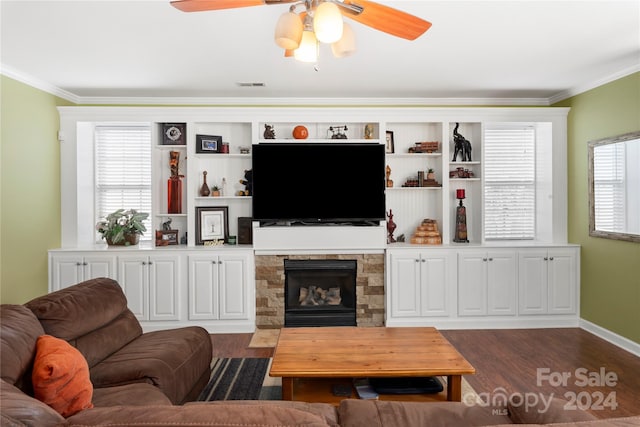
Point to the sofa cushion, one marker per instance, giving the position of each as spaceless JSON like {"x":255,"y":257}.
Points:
{"x":17,"y":407}
{"x":172,"y":360}
{"x":19,"y":330}
{"x":325,"y":411}
{"x":548,"y":409}
{"x":198,"y":415}
{"x":139,"y":394}
{"x":61,"y":376}
{"x":376,"y":413}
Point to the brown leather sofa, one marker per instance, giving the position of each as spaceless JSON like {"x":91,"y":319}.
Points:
{"x":151,"y":379}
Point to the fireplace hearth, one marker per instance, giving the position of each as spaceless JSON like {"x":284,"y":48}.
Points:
{"x":320,"y":292}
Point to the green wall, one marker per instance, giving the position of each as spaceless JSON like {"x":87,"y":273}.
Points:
{"x":610,"y":269}
{"x":29,"y":189}
{"x":30,"y":199}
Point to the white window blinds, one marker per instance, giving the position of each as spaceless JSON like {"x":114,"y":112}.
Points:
{"x":509,"y":178}
{"x":123,"y":170}
{"x":609,"y":187}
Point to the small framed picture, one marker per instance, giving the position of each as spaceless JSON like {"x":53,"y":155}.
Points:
{"x":208,"y":144}
{"x":389,"y":143}
{"x":212,"y":224}
{"x":174,"y":133}
{"x":167,"y":237}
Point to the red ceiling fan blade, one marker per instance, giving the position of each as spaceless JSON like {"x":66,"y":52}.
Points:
{"x":387,"y":19}
{"x":202,"y":5}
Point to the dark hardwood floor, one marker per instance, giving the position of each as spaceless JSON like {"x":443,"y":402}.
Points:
{"x":527,"y":362}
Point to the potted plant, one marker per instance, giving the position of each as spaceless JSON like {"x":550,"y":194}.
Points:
{"x":431,"y":174}
{"x":122,"y":227}
{"x":215,"y":191}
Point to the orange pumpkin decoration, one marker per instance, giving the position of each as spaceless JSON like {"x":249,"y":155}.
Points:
{"x":300,"y":132}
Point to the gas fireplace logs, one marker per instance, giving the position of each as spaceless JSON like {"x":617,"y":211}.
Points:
{"x":318,"y":296}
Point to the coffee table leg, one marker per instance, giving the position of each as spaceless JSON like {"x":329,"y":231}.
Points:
{"x":287,"y":388}
{"x":454,"y":388}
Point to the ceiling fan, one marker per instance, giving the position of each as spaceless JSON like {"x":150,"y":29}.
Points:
{"x":321,"y":20}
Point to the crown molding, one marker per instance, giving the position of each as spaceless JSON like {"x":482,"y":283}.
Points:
{"x":38,"y":84}
{"x":271,"y":101}
{"x":255,"y":101}
{"x":561,"y":96}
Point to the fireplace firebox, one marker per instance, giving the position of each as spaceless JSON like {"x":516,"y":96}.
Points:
{"x":320,"y":292}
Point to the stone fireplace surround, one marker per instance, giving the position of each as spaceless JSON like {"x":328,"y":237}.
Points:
{"x":270,"y":288}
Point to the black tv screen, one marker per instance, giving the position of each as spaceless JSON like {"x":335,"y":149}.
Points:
{"x":311,"y":183}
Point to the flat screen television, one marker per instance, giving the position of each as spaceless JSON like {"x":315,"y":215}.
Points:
{"x":310,"y":183}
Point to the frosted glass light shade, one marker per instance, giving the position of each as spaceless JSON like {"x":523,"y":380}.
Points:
{"x":308,"y":49}
{"x":288,"y":31}
{"x":346,"y":45}
{"x":327,"y":23}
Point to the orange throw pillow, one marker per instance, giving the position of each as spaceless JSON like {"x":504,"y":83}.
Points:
{"x":61,"y":376}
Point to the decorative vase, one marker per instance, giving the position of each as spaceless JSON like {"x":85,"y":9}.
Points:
{"x":174,"y":195}
{"x":174,"y":184}
{"x":204,"y":190}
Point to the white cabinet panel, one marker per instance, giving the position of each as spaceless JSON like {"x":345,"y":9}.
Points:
{"x":72,"y":268}
{"x":218,"y":286}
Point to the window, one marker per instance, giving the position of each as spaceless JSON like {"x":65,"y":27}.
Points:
{"x":510,"y":183}
{"x":609,"y":187}
{"x":123,"y":170}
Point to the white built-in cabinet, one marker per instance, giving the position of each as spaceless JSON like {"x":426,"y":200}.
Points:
{"x":487,"y":282}
{"x":420,"y":282}
{"x":218,"y":286}
{"x":74,"y":267}
{"x":151,"y":284}
{"x":168,"y":288}
{"x":547,"y":280}
{"x":479,"y":284}
{"x":488,"y":287}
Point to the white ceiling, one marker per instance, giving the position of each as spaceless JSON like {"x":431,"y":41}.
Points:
{"x":529,"y":50}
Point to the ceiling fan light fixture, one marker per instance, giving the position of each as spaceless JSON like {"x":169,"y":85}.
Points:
{"x":346,"y":46}
{"x":288,"y":31}
{"x":327,"y":22}
{"x":308,"y":49}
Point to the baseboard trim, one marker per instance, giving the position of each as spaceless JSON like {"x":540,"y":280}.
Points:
{"x":607,"y":335}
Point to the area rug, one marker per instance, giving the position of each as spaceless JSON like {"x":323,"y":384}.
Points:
{"x":264,"y":338}
{"x":248,"y":379}
{"x":240,"y":379}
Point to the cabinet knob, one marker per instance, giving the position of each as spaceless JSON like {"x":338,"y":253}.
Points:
{"x":219,"y":262}
{"x":484,"y":259}
{"x":78,"y":264}
{"x":546,"y":259}
{"x":84,"y":263}
{"x":144,"y":262}
{"x":490,"y":259}
{"x":550,"y":258}
{"x":150,"y":262}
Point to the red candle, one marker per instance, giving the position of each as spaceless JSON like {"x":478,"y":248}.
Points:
{"x":460,"y":193}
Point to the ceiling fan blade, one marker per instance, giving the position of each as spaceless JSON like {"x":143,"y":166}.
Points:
{"x":202,"y":5}
{"x":387,"y":19}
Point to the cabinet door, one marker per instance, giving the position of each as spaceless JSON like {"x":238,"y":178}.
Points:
{"x":502,"y":280}
{"x":66,"y":270}
{"x":203,"y":287}
{"x":435,"y":277}
{"x":405,"y":292}
{"x":99,"y":266}
{"x":233,"y":286}
{"x":562,"y":281}
{"x":532,"y":281}
{"x":472,"y":283}
{"x":70,"y":269}
{"x":164,"y":282}
{"x":133,"y":277}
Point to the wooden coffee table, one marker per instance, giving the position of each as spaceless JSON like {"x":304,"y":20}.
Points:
{"x":312,"y":360}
